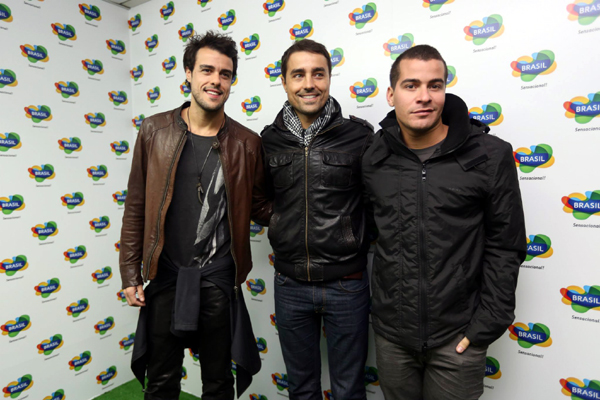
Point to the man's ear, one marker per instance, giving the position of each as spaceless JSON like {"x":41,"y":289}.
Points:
{"x":283,"y":83}
{"x":390,"y":96}
{"x":188,"y":76}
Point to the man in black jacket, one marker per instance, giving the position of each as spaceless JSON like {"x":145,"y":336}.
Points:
{"x":448,"y":209}
{"x":317,"y":231}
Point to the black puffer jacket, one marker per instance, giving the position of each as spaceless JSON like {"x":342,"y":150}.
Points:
{"x":451,"y":234}
{"x":317,"y":230}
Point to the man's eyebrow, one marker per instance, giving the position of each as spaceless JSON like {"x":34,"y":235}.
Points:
{"x":202,"y":66}
{"x":418,"y":81}
{"x":316,"y":69}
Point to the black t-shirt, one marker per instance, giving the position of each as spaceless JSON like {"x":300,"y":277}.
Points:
{"x":426,"y":153}
{"x":183,"y":215}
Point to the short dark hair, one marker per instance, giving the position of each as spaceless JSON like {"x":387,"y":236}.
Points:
{"x":422,"y":52}
{"x":213,"y":40}
{"x":305,"y":45}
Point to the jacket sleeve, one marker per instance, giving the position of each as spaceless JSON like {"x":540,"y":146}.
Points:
{"x":132,"y":231}
{"x":371,"y":232}
{"x":505,"y":249}
{"x":262,"y":205}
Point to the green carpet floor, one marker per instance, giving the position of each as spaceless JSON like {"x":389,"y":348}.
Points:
{"x":133,"y":391}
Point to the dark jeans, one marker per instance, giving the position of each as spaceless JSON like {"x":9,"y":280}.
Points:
{"x":436,"y":374}
{"x":344,"y":307}
{"x":166,"y":351}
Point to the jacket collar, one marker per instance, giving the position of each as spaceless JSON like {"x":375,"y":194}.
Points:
{"x":182,"y":124}
{"x":455,"y":114}
{"x":336,"y":117}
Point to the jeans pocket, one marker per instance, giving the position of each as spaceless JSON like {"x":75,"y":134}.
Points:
{"x":280,"y":279}
{"x":354,"y":285}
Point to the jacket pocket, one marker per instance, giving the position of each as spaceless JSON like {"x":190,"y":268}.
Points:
{"x":348,"y":233}
{"x":337,"y":169}
{"x":272,"y":225}
{"x":282,"y":169}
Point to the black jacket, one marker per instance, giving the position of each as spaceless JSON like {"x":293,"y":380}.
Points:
{"x":451,"y":234}
{"x":317,"y":230}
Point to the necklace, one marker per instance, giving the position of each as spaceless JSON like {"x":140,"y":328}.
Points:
{"x":200,"y":170}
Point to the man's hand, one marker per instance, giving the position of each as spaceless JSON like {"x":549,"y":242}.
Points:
{"x":462,"y":346}
{"x":130,"y":292}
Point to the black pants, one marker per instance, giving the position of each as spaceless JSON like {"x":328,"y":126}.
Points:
{"x":166,"y":351}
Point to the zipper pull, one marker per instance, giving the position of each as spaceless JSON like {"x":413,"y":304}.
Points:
{"x":306,"y":151}
{"x":424,"y":173}
{"x":235,"y":290}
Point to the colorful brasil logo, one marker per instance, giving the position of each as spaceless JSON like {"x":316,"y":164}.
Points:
{"x":252,"y":105}
{"x":5,"y":13}
{"x":58,"y":395}
{"x":273,"y":318}
{"x":39,"y":113}
{"x":75,"y":309}
{"x":302,"y":30}
{"x":137,"y":121}
{"x":45,"y":289}
{"x":582,"y":206}
{"x":273,"y":71}
{"x":137,"y":72}
{"x":127,"y":342}
{"x":248,"y":45}
{"x":41,"y":172}
{"x":79,"y":361}
{"x":396,"y":46}
{"x":489,"y":114}
{"x":452,"y":78}
{"x":105,"y":325}
{"x":67,"y":89}
{"x":34,"y":53}
{"x":116,"y":46}
{"x":15,"y":388}
{"x":9,"y":140}
{"x":118,"y":98}
{"x":13,"y":327}
{"x":100,"y":224}
{"x":151,"y":43}
{"x":256,"y":229}
{"x":203,"y":3}
{"x":13,"y":203}
{"x":583,"y":299}
{"x":8,"y":78}
{"x":256,"y":287}
{"x":104,"y":377}
{"x":584,"y":11}
{"x":578,"y":390}
{"x":271,"y":7}
{"x":261,"y":343}
{"x":362,"y":16}
{"x":186,"y":32}
{"x":255,"y":396}
{"x":120,"y":197}
{"x":93,"y":67}
{"x":480,"y":31}
{"x":280,"y":380}
{"x":538,"y":246}
{"x":73,"y":200}
{"x":371,"y":376}
{"x":539,"y":156}
{"x":184,"y":90}
{"x":337,"y":57}
{"x":167,"y":10}
{"x":70,"y":145}
{"x":95,"y":120}
{"x":227,"y":19}
{"x":47,"y":346}
{"x":361,"y":91}
{"x":64,"y":32}
{"x":583,"y":109}
{"x":101,"y":275}
{"x":90,"y":12}
{"x":45,"y":230}
{"x":492,"y":368}
{"x":169,"y":64}
{"x":435,"y":5}
{"x":541,"y":63}
{"x":14,"y":265}
{"x":73,"y":255}
{"x":153,"y":94}
{"x":135,"y":22}
{"x":97,"y":172}
{"x":527,"y":336}
{"x":120,"y":147}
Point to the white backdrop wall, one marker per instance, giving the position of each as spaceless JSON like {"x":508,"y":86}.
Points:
{"x":547,"y":113}
{"x":61,"y":318}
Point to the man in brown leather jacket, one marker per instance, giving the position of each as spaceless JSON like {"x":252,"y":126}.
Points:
{"x":196,"y":180}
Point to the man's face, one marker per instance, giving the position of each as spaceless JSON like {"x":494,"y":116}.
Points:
{"x":306,"y":83}
{"x":210,"y":81}
{"x":419,"y":95}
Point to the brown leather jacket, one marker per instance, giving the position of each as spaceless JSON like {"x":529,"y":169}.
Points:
{"x":150,"y":189}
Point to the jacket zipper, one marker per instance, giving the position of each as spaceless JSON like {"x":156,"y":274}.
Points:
{"x":147,"y":268}
{"x":422,"y":259}
{"x":229,"y":214}
{"x":306,"y":151}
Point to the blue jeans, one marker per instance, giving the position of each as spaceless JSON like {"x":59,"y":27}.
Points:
{"x":344,"y":307}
